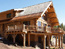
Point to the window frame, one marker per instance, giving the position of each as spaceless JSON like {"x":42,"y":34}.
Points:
{"x":8,"y":15}
{"x":39,"y":23}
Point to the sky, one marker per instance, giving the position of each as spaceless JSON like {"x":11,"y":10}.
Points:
{"x":59,"y":6}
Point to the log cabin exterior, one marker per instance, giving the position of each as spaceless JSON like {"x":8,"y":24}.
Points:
{"x":33,"y":25}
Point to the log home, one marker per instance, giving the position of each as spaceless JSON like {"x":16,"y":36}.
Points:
{"x":31,"y":26}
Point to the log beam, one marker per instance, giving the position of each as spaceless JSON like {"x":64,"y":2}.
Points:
{"x":50,"y":12}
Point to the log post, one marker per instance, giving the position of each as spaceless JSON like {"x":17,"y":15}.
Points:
{"x":49,"y":41}
{"x":61,"y":41}
{"x":45,"y":29}
{"x":14,"y":27}
{"x":23,"y":27}
{"x":28,"y":39}
{"x":44,"y":42}
{"x":36,"y":39}
{"x":24,"y":40}
{"x":56,"y":41}
{"x":14,"y":36}
{"x":5,"y":36}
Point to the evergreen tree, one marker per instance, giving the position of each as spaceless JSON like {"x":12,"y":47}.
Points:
{"x":64,"y":27}
{"x":61,"y":25}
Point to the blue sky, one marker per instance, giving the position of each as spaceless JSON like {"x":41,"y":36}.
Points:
{"x":59,"y":6}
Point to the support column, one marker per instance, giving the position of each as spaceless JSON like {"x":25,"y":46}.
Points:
{"x":24,"y":39}
{"x":14,"y":36}
{"x":36,"y":39}
{"x":28,"y":39}
{"x":49,"y":41}
{"x":44,"y":42}
{"x":5,"y":36}
{"x":61,"y":41}
{"x":56,"y":41}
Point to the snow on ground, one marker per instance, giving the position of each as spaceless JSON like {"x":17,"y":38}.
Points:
{"x":5,"y":46}
{"x":14,"y":47}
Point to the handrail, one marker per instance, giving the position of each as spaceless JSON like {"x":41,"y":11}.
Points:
{"x":48,"y":29}
{"x":14,"y":28}
{"x":57,"y":30}
{"x":33,"y":28}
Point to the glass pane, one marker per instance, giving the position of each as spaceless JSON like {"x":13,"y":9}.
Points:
{"x":26,"y":22}
{"x":9,"y":15}
{"x":42,"y":17}
{"x":44,"y":24}
{"x":39,"y":23}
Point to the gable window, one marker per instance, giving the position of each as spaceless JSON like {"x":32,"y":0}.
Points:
{"x":42,"y":17}
{"x":39,"y":23}
{"x":8,"y":15}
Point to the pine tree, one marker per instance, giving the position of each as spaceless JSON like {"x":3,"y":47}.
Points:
{"x":61,"y":25}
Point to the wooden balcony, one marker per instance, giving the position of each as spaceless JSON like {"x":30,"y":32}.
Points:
{"x":37,"y":29}
{"x":57,"y":30}
{"x":33,"y":29}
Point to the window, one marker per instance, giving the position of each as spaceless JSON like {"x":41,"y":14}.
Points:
{"x":26,"y":22}
{"x":42,"y":17}
{"x":49,"y":26}
{"x":45,"y":18}
{"x":9,"y":15}
{"x":39,"y":23}
{"x":44,"y":24}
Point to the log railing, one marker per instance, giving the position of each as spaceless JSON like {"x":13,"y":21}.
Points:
{"x":48,"y":29}
{"x":13,"y":28}
{"x":57,"y":30}
{"x":32,"y":28}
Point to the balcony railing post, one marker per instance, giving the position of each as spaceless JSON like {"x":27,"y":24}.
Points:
{"x":14,"y":27}
{"x":45,"y":29}
{"x":36,"y":27}
{"x":24,"y":27}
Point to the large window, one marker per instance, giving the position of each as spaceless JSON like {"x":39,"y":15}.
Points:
{"x":39,"y":23}
{"x":42,"y":17}
{"x":8,"y":15}
{"x":26,"y":22}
